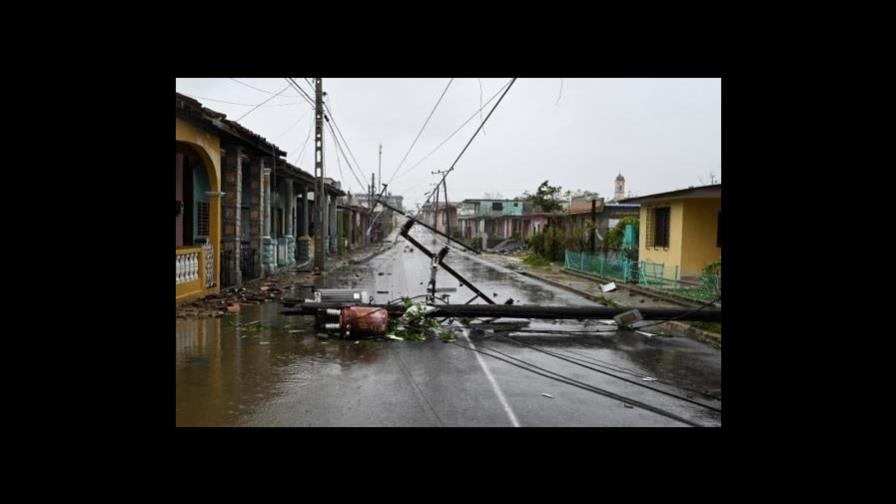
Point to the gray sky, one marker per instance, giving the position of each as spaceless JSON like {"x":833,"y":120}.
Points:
{"x":662,"y":134}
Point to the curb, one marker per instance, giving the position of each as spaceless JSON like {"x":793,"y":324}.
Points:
{"x":676,"y":328}
{"x":582,"y":293}
{"x":688,"y":303}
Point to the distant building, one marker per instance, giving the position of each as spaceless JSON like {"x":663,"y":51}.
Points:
{"x":492,"y":219}
{"x":619,"y":191}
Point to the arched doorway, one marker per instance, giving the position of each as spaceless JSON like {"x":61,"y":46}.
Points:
{"x":197,"y":221}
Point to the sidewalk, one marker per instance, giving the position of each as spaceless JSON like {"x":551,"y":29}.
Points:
{"x":624,"y":296}
{"x":271,"y":287}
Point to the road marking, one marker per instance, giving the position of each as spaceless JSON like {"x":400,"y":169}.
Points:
{"x":491,"y":379}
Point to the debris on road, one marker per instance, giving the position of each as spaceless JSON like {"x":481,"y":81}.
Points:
{"x":627,"y":405}
{"x":649,"y":378}
{"x":547,"y":395}
{"x":394,"y":337}
{"x":610,"y":287}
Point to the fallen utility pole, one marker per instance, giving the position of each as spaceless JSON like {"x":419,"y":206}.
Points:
{"x":427,"y":226}
{"x":531,"y":311}
{"x":438,"y":260}
{"x":373,"y":208}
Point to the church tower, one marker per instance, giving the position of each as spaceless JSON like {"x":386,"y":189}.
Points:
{"x":620,"y":187}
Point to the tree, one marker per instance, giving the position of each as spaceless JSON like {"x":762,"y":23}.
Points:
{"x":613,"y":240}
{"x":546,"y":197}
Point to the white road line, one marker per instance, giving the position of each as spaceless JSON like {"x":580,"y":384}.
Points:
{"x":495,"y":386}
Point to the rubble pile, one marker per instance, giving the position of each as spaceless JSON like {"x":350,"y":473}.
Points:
{"x":510,"y":246}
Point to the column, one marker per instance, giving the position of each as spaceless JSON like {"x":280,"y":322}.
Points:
{"x":303,"y":240}
{"x":232,"y":202}
{"x":267,"y":243}
{"x":256,"y":220}
{"x":288,"y":216}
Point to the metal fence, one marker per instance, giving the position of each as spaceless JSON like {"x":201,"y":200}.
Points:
{"x":644,"y":273}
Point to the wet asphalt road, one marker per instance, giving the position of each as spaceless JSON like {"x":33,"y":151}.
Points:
{"x":283,"y":375}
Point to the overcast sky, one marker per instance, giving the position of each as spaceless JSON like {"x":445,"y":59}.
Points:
{"x":662,"y":134}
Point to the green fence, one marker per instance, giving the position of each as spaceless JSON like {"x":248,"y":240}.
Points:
{"x":614,"y":266}
{"x":644,"y":273}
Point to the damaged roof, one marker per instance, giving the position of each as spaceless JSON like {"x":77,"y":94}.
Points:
{"x":191,"y":108}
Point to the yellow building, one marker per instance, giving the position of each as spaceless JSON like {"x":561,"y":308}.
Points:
{"x":198,"y":191}
{"x":680,"y":230}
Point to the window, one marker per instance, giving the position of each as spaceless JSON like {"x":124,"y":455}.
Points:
{"x":658,"y":227}
{"x":202,"y":218}
{"x":497,"y":206}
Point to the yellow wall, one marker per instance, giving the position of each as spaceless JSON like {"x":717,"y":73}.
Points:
{"x":669,"y":256}
{"x":208,"y":147}
{"x":701,"y":217}
{"x":692,"y":236}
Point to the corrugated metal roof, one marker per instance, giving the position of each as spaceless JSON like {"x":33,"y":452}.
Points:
{"x":705,"y":191}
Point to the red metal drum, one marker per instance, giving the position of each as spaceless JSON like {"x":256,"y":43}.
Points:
{"x":364,"y":321}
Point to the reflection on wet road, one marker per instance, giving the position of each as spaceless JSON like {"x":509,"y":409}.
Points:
{"x":230,"y":372}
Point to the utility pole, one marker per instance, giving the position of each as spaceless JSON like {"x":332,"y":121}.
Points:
{"x":380,"y":173}
{"x":440,"y":172}
{"x":435,"y":215}
{"x":320,"y":224}
{"x":447,"y":209}
{"x":593,"y":221}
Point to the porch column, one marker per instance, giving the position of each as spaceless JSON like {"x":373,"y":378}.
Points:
{"x":267,"y":243}
{"x":256,"y":220}
{"x":304,"y":240}
{"x":288,"y":216}
{"x":233,"y":183}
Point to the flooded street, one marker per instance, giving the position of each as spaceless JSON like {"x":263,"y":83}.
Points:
{"x":230,"y":372}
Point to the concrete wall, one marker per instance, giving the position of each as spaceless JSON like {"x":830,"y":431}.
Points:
{"x":701,"y":217}
{"x":669,"y":256}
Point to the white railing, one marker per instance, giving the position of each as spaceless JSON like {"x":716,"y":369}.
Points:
{"x":187,"y":267}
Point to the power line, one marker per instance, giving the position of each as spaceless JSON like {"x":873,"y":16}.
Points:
{"x":339,"y":165}
{"x":240,"y":104}
{"x":633,"y":382}
{"x":480,"y":102}
{"x":345,"y":142}
{"x":295,"y":85}
{"x":474,"y":135}
{"x":305,"y":143}
{"x":292,"y":126}
{"x":421,"y":131}
{"x":339,"y":147}
{"x":473,"y":116}
{"x":259,"y":89}
{"x":260,"y":104}
{"x":532,"y":368}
